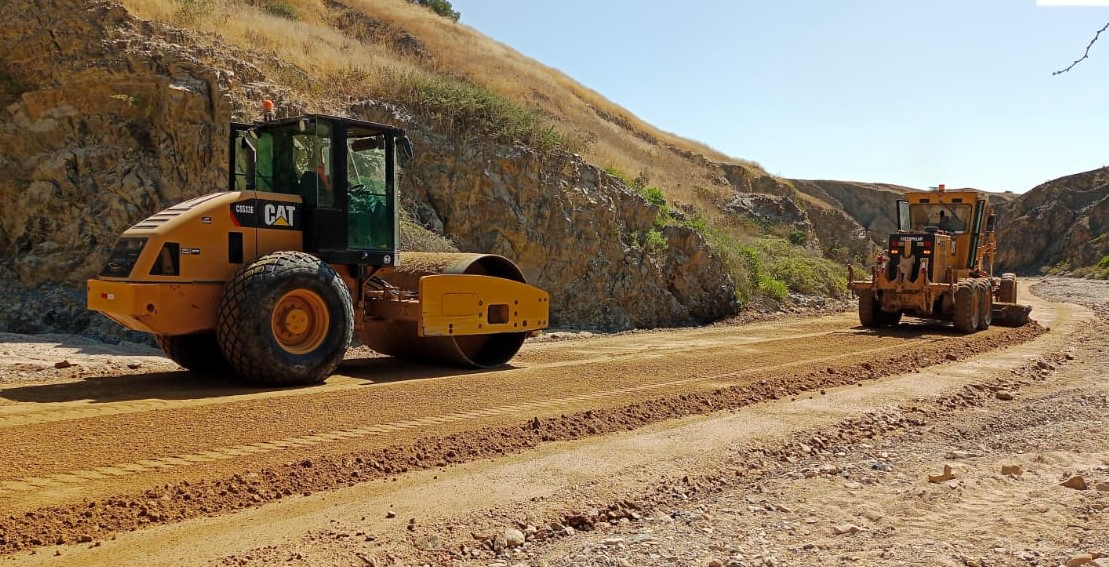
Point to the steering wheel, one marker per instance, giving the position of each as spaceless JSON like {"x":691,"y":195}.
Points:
{"x":357,"y":188}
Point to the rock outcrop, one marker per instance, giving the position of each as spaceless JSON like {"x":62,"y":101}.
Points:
{"x":94,"y":134}
{"x":1063,"y":222}
{"x":570,"y":226}
{"x":851,"y":219}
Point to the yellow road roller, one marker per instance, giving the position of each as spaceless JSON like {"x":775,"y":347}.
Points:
{"x":277,"y":274}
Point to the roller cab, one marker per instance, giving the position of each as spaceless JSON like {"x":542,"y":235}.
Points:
{"x":277,"y":274}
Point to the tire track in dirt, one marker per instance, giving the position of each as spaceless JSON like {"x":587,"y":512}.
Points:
{"x":26,"y":413}
{"x":96,"y":519}
{"x":74,"y":477}
{"x":45,"y":449}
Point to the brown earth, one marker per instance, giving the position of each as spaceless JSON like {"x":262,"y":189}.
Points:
{"x":120,"y":459}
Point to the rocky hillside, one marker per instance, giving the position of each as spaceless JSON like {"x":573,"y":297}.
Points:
{"x":856,"y":216}
{"x":114,"y":111}
{"x":108,"y":118}
{"x":1062,"y":224}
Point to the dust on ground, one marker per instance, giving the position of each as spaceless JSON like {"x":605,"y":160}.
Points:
{"x":1027,"y":459}
{"x":857,"y":492}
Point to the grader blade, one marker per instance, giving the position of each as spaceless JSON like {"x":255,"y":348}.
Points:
{"x":1010,"y":314}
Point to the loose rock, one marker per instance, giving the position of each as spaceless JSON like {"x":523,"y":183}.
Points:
{"x":1076,"y":482}
{"x":946,"y":476}
{"x":513,"y":537}
{"x":1076,"y":560}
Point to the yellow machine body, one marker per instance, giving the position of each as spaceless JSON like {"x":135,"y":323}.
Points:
{"x":276,"y":275}
{"x":158,"y":298}
{"x":943,"y":251}
{"x":176,"y":293}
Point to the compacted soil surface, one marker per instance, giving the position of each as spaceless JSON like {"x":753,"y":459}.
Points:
{"x":797,"y":441}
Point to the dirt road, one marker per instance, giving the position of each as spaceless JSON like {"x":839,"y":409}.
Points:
{"x":119,"y":459}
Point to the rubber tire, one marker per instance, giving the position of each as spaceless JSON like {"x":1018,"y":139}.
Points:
{"x":869,"y":310}
{"x":199,"y":352}
{"x":965,"y":315}
{"x":887,"y":319}
{"x":245,"y":332}
{"x":1007,"y":291}
{"x":985,"y":304}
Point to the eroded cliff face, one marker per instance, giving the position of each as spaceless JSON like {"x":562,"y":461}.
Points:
{"x":107,"y":119}
{"x":1064,"y":221}
{"x":95,"y":132}
{"x":852,"y":219}
{"x":569,"y":225}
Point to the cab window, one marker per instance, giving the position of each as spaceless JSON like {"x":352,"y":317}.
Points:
{"x":290,"y":158}
{"x":370,"y":207}
{"x":951,"y":217}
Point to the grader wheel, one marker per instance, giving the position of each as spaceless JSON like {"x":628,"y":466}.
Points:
{"x":1007,"y":291}
{"x":285,"y":319}
{"x":869,"y":309}
{"x":985,"y":304}
{"x":966,"y":312}
{"x":887,"y":319}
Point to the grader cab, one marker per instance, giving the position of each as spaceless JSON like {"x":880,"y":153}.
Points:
{"x":939,"y":265}
{"x":275,"y":275}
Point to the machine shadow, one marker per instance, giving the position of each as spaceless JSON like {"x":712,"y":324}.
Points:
{"x":387,"y":369}
{"x":911,"y":329}
{"x":184,"y":385}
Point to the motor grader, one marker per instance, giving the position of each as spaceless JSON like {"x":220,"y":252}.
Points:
{"x":275,"y":275}
{"x":939,"y":265}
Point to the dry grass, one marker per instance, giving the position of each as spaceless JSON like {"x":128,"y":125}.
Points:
{"x":468,"y":84}
{"x":350,"y":62}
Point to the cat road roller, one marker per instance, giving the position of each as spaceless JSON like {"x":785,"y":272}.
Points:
{"x":276,"y":275}
{"x":939,"y":265}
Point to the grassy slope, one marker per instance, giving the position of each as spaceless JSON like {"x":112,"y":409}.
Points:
{"x":463,"y":81}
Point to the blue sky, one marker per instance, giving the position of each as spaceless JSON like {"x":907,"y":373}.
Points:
{"x":900,"y":91}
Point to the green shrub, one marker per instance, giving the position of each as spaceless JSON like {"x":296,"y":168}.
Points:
{"x":797,"y":238}
{"x":654,"y":196}
{"x":465,"y":109}
{"x":774,"y":288}
{"x":282,"y":9}
{"x":656,"y":241}
{"x":1061,"y":267}
{"x":697,"y":222}
{"x":441,"y":7}
{"x":618,"y":175}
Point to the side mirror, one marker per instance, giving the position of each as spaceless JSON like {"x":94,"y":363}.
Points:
{"x":990,"y":222}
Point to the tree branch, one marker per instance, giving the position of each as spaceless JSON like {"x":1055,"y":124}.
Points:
{"x":1085,"y":55}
